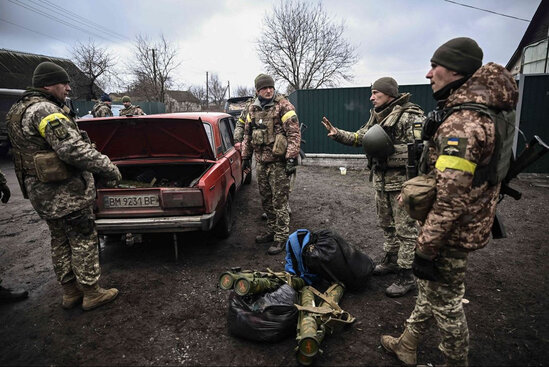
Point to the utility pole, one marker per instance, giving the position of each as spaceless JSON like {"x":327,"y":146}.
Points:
{"x":207,"y":97}
{"x":154,"y":72}
{"x":229,"y":88}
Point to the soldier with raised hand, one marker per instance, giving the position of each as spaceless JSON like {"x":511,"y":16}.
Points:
{"x":102,"y":108}
{"x":399,"y":120}
{"x":462,"y":142}
{"x":54,"y":163}
{"x":129,"y":108}
{"x":7,"y":294}
{"x":272,"y":132}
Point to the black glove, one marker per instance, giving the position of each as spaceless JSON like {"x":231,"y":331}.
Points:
{"x":5,"y":193}
{"x":291,"y":165}
{"x":246,"y":164}
{"x":424,"y":268}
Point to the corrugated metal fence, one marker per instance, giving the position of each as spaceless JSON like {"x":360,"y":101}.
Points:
{"x":347,"y":109}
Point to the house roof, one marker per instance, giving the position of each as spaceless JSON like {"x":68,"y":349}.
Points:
{"x":16,"y":69}
{"x":536,"y":31}
{"x":183,"y":96}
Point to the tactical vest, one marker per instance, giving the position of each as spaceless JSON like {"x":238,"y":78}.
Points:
{"x":504,"y":123}
{"x":24,"y":159}
{"x":262,"y":125}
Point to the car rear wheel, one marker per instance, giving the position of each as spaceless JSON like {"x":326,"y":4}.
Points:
{"x":225,"y":225}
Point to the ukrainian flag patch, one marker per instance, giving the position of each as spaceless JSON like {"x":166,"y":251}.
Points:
{"x":453,"y":141}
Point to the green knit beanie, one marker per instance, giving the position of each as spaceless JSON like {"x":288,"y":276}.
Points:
{"x":386,"y":85}
{"x":461,"y":54}
{"x":126,"y":99}
{"x":47,"y":73}
{"x":263,"y":81}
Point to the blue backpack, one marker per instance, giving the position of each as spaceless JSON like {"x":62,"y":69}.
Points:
{"x":294,"y":260}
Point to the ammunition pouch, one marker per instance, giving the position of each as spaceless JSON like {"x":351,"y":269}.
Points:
{"x":399,"y":158}
{"x":418,"y":196}
{"x":280,"y":145}
{"x":49,"y":168}
{"x":259,"y":136}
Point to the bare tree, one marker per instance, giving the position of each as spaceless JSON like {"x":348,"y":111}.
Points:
{"x":199,"y":92}
{"x":153,"y":66}
{"x":301,"y":44}
{"x":216,"y":90}
{"x":96,"y":63}
{"x":242,"y":91}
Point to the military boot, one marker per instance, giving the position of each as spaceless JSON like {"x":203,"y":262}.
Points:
{"x":9,"y":295}
{"x":72,"y":296}
{"x":276,"y":248}
{"x":95,"y":296}
{"x":404,"y":284}
{"x":265,"y":237}
{"x":405,"y":346}
{"x":387,"y":265}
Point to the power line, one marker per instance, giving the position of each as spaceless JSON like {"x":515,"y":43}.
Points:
{"x":87,"y":23}
{"x":488,"y":11}
{"x":32,"y":30}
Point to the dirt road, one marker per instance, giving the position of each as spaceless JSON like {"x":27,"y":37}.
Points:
{"x":173,"y":313}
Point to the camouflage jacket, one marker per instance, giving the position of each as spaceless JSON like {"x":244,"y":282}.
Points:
{"x":284,"y":119}
{"x":132,"y":110}
{"x":397,"y":120}
{"x":47,"y":125}
{"x":101,"y":109}
{"x":462,"y":214}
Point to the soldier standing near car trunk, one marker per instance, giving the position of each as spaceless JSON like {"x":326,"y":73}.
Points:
{"x":54,"y":162}
{"x":462,"y":142}
{"x":129,"y":108}
{"x":103,"y":107}
{"x":272,"y":133}
{"x":399,"y":120}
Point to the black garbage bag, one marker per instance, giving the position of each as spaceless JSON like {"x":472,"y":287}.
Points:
{"x":270,"y":317}
{"x":329,"y":255}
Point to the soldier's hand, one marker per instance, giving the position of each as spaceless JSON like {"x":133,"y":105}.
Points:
{"x":114,"y":175}
{"x":291,"y":164}
{"x":424,"y":268}
{"x":332,"y":131}
{"x":5,"y":193}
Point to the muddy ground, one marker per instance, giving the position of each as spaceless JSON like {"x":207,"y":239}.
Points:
{"x":173,"y":313}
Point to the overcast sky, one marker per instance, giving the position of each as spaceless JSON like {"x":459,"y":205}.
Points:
{"x":392,"y":37}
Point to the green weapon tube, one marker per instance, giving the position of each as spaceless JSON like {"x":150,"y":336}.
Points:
{"x":307,"y":336}
{"x":254,"y":285}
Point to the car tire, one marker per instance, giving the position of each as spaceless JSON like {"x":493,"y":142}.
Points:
{"x":225,"y":225}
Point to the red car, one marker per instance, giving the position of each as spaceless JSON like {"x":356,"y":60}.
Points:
{"x":180,"y":171}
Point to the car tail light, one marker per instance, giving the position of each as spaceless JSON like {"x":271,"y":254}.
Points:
{"x":182,"y":199}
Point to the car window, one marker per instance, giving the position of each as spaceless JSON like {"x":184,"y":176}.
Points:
{"x":226,"y":134}
{"x":209,"y":132}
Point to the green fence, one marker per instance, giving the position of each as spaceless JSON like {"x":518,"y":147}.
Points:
{"x":347,"y":109}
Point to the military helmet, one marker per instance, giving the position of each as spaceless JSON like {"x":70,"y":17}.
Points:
{"x":377,"y":143}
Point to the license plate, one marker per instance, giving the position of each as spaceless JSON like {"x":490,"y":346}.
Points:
{"x":130,"y":201}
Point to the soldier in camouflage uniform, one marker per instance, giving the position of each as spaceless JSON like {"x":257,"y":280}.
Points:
{"x":272,"y":132}
{"x":463,"y":212}
{"x":241,"y":122}
{"x":129,"y":108}
{"x":103,"y":107}
{"x":6,"y":294}
{"x":398,"y":117}
{"x":54,"y":163}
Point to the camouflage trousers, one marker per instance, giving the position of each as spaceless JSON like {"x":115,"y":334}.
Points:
{"x":274,"y":188}
{"x":400,"y":231}
{"x":442,"y":301}
{"x":74,"y":247}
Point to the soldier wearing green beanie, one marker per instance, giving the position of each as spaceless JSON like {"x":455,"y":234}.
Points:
{"x":399,"y":119}
{"x":272,"y":133}
{"x":55,"y":164}
{"x":130,"y":109}
{"x":461,"y":142}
